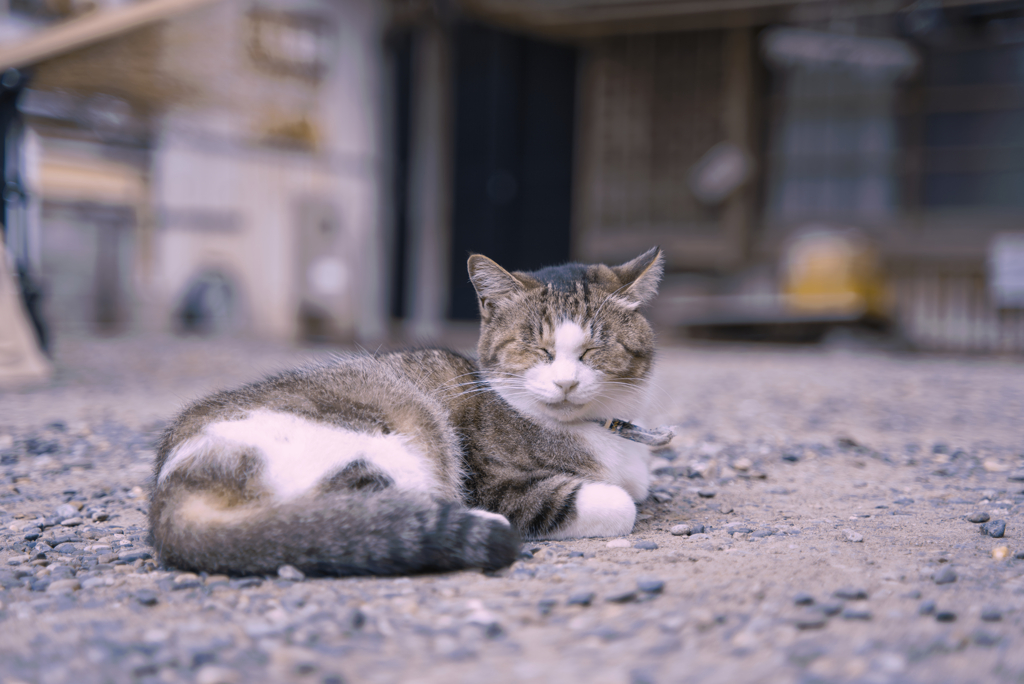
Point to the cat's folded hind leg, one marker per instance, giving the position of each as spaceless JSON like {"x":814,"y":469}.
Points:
{"x":601,"y":510}
{"x":560,"y":506}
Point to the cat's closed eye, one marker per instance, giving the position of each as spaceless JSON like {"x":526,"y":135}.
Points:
{"x":587,"y":353}
{"x":547,"y":354}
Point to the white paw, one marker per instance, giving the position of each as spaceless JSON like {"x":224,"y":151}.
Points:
{"x":602,"y":510}
{"x":481,"y":513}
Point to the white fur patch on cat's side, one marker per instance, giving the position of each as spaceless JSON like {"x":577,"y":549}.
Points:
{"x":297,"y":452}
{"x":488,"y":515}
{"x":602,"y":510}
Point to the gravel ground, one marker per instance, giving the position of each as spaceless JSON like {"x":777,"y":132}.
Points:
{"x":824,"y":515}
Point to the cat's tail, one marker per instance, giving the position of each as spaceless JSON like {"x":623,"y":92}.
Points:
{"x":339,"y":533}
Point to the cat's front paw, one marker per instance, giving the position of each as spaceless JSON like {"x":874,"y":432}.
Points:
{"x":602,"y":510}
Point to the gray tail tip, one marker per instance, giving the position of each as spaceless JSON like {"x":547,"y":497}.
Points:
{"x":502,"y":546}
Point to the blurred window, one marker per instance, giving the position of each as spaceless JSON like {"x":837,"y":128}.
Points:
{"x":833,"y":150}
{"x":973,"y":112}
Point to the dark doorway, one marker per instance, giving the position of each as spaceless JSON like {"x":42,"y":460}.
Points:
{"x":514,"y":119}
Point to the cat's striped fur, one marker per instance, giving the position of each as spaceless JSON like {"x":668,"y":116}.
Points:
{"x":424,"y":460}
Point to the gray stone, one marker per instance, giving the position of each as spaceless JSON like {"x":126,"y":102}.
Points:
{"x":290,"y":573}
{"x":991,"y":614}
{"x":133,"y":555}
{"x":66,"y":511}
{"x":851,"y":594}
{"x":852,"y":536}
{"x":996,"y":528}
{"x":546,"y":605}
{"x":1016,"y":477}
{"x":645,"y":545}
{"x":63,"y":586}
{"x":803,"y":599}
{"x":581,"y":598}
{"x":622,"y":596}
{"x":903,"y":501}
{"x":856,"y":614}
{"x":978,"y":517}
{"x":706,"y":493}
{"x":926,"y":607}
{"x":945,"y":616}
{"x":146,"y":597}
{"x":661,"y":496}
{"x":983,"y":637}
{"x":946,"y":575}
{"x":650,"y":586}
{"x":761,"y":534}
{"x":74,"y":521}
{"x":830,"y":607}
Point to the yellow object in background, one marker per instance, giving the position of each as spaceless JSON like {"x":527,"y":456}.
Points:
{"x":834,"y":272}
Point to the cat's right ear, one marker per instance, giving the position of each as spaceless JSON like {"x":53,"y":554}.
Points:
{"x":492,"y":282}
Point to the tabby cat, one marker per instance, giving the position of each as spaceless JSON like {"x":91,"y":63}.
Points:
{"x":425,"y":460}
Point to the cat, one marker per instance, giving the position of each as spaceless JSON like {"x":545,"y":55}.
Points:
{"x":425,"y":460}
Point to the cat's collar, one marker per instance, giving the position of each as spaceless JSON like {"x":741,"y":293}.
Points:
{"x":655,"y":437}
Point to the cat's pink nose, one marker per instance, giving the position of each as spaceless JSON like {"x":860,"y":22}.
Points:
{"x":567,"y":385}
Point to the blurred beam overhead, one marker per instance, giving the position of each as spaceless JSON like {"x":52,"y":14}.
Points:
{"x":91,"y":28}
{"x":592,"y":18}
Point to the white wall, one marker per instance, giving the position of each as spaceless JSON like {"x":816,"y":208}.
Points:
{"x":225,"y":200}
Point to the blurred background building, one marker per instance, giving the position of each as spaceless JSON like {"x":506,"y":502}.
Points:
{"x":321,"y":169}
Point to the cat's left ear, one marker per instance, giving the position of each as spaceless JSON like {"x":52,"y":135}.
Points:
{"x":640,"y":277}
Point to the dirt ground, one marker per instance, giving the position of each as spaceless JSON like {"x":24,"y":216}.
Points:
{"x":808,"y":524}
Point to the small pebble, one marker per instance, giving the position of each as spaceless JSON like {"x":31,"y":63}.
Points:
{"x":850,"y":594}
{"x":903,"y":501}
{"x":706,"y":493}
{"x":978,"y":517}
{"x":1001,"y":552}
{"x":66,"y":511}
{"x":290,"y":573}
{"x":146,"y":597}
{"x":983,"y":637}
{"x":991,"y":614}
{"x":945,"y":616}
{"x":645,"y":545}
{"x":662,"y":496}
{"x":546,"y":605}
{"x":852,"y":536}
{"x":742,"y":464}
{"x":946,"y":575}
{"x":1016,"y":477}
{"x":926,"y":607}
{"x":581,"y":598}
{"x":618,"y":544}
{"x":63,"y":586}
{"x":1019,"y":555}
{"x":996,"y":528}
{"x":623,"y":596}
{"x":803,"y":599}
{"x":681,"y":530}
{"x":72,"y":522}
{"x":650,"y":586}
{"x":830,"y":607}
{"x":525,"y":554}
{"x":856,"y":614}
